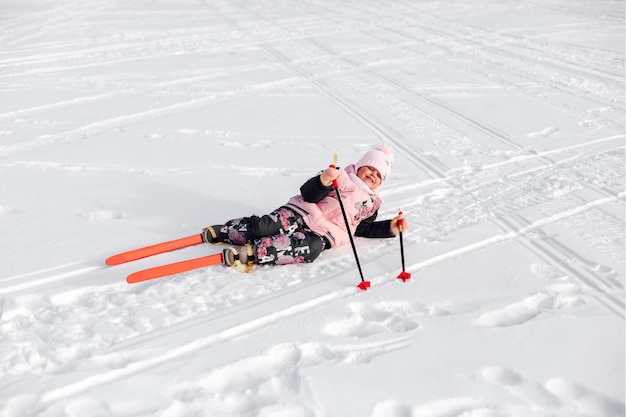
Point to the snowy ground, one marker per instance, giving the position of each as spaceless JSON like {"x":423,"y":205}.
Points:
{"x":126,"y":123}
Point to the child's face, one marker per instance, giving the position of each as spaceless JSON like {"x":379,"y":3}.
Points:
{"x":370,"y":176}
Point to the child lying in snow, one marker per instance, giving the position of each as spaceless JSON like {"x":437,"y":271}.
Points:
{"x":312,"y":221}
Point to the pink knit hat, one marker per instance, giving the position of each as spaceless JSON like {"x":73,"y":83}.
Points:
{"x":381,"y":158}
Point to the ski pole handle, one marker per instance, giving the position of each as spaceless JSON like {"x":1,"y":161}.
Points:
{"x":334,"y":165}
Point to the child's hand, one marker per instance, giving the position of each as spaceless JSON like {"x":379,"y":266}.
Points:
{"x":404,"y":223}
{"x":329,"y":175}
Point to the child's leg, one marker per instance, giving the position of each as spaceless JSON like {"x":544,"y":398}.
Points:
{"x":248,"y":229}
{"x":240,"y":231}
{"x":281,"y":249}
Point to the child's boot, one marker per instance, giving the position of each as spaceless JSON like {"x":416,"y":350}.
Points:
{"x":239,"y":255}
{"x":211,"y":234}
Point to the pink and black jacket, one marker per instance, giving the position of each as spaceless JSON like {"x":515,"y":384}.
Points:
{"x":320,"y":209}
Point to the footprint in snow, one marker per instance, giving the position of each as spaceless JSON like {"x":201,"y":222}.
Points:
{"x":103,"y":215}
{"x":549,"y":131}
{"x":369,"y":319}
{"x":559,"y":296}
{"x":555,"y":397}
{"x":548,"y":272}
{"x":272,"y":380}
{"x":11,"y":210}
{"x":556,"y":393}
{"x":447,"y":407}
{"x":519,"y":386}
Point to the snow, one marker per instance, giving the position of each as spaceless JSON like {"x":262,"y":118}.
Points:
{"x":124,"y":124}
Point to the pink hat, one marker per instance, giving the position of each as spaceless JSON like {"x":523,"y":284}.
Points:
{"x":381,"y":158}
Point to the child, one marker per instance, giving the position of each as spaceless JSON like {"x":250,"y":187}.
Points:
{"x":312,"y":221}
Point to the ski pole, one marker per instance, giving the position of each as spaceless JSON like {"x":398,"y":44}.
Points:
{"x":404,"y":276}
{"x":363,"y":285}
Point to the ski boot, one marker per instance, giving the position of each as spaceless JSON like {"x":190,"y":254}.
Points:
{"x":211,"y":234}
{"x":241,"y":257}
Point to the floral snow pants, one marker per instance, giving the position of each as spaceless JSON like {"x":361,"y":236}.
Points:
{"x":278,"y":238}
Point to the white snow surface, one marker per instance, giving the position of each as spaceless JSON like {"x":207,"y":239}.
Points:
{"x":127,"y":123}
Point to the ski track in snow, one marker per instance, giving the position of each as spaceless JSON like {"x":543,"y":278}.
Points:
{"x":509,"y":141}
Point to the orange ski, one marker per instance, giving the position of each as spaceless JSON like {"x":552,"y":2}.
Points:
{"x":174,"y":268}
{"x":133,"y":255}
